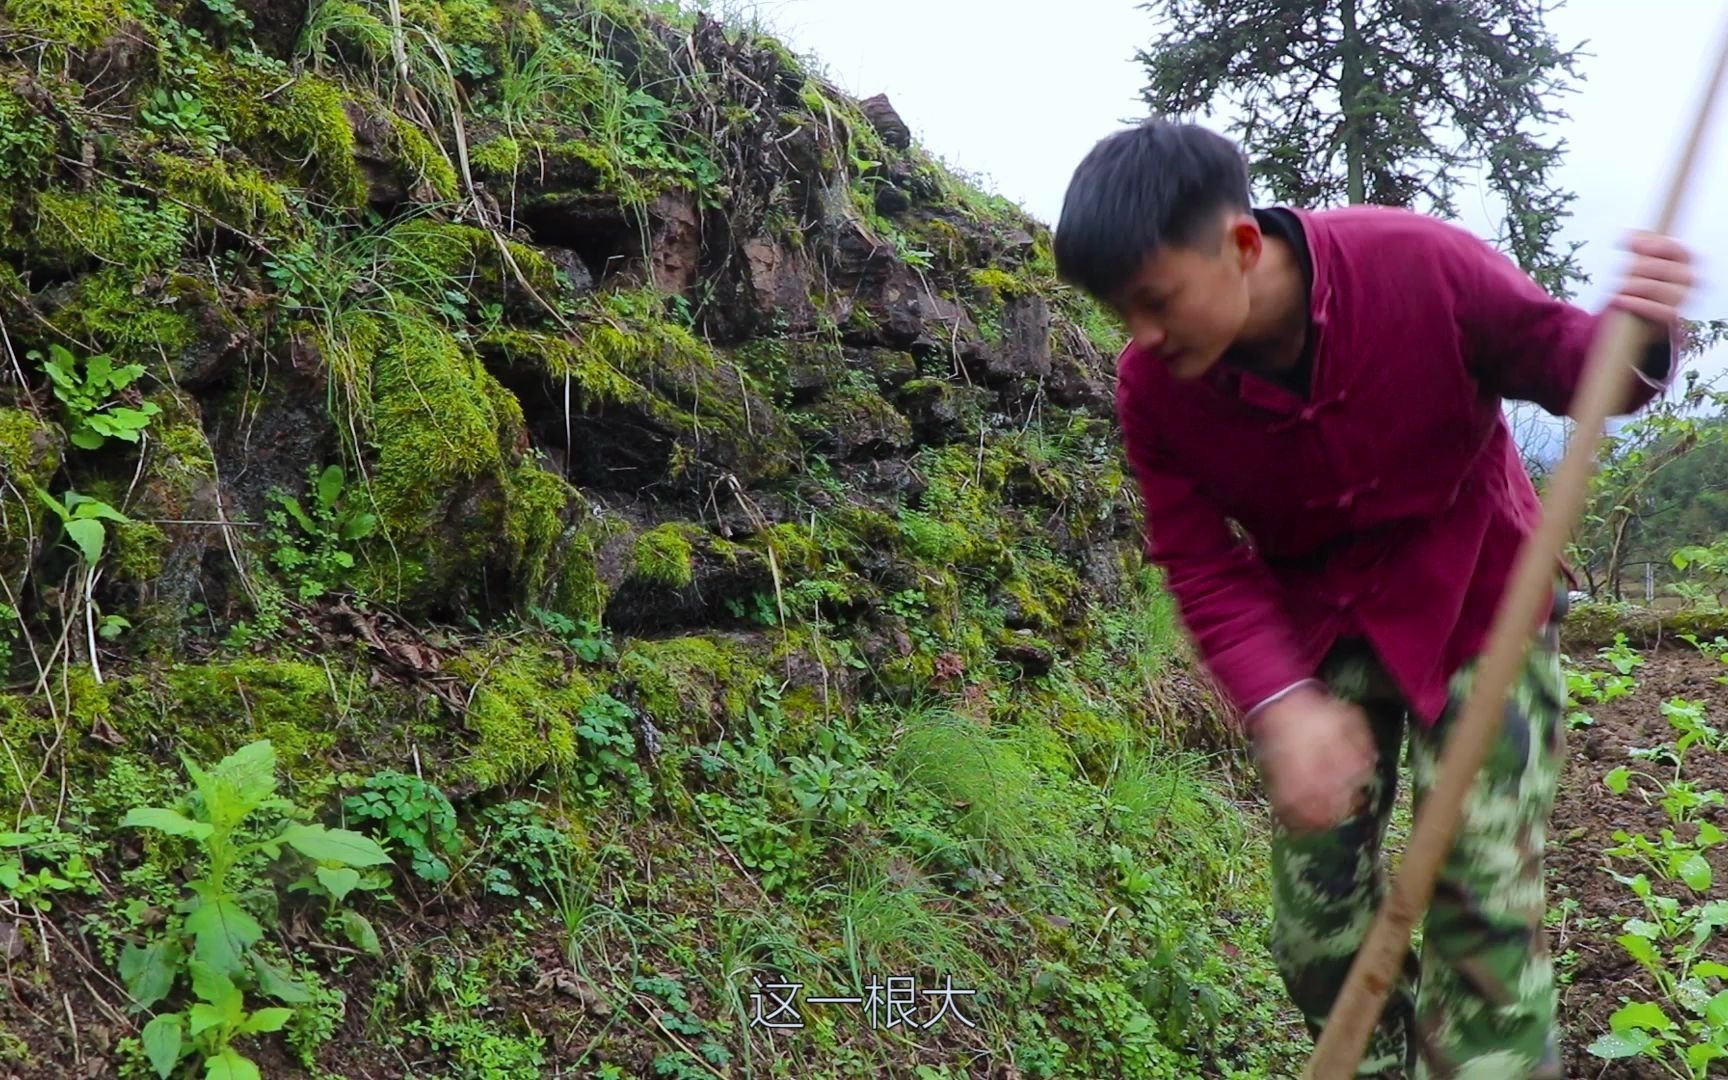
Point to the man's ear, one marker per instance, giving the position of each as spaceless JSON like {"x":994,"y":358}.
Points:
{"x":1244,"y":241}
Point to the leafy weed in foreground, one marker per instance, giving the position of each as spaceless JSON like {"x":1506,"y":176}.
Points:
{"x":211,"y":945}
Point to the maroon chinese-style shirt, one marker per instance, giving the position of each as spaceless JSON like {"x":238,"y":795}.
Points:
{"x":1385,"y":497}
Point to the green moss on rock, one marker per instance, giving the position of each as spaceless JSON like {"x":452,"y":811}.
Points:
{"x":496,"y":158}
{"x":179,"y":435}
{"x":425,"y":161}
{"x":1596,"y":624}
{"x":1094,"y":736}
{"x":523,"y":715}
{"x":30,"y":449}
{"x":105,"y":225}
{"x":475,"y":23}
{"x":854,"y":418}
{"x":710,"y":407}
{"x":794,"y":548}
{"x":428,"y":256}
{"x":656,"y":350}
{"x":360,"y":31}
{"x":177,"y":482}
{"x":665,"y":554}
{"x":998,"y":284}
{"x":666,"y":375}
{"x":30,"y":454}
{"x":940,"y":411}
{"x":790,"y":68}
{"x":178,"y":462}
{"x":21,"y":727}
{"x":79,"y":707}
{"x":537,"y":507}
{"x":438,"y":416}
{"x":962,"y":520}
{"x":76,"y":24}
{"x":594,"y":380}
{"x":1041,"y":593}
{"x":440,"y":425}
{"x":27,"y":143}
{"x":579,"y":592}
{"x":233,"y":192}
{"x":853,"y":529}
{"x":589,"y":164}
{"x":804,"y":710}
{"x":692,"y":682}
{"x":907,"y":674}
{"x":300,"y":123}
{"x":108,"y":309}
{"x":136,"y":550}
{"x":209,"y":710}
{"x":455,"y":493}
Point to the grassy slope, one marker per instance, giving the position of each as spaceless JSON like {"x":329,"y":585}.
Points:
{"x":918,"y":744}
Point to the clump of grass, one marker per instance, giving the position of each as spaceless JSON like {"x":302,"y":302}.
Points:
{"x":893,"y":920}
{"x":982,"y":775}
{"x":1168,"y":801}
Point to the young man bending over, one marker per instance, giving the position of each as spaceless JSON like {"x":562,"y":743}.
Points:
{"x":1311,"y":403}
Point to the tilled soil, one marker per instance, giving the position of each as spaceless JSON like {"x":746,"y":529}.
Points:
{"x":1598,"y":976}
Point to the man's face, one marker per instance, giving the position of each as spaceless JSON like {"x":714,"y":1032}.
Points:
{"x":1188,"y":305}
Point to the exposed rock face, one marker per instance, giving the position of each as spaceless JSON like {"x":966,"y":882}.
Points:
{"x":676,"y":246}
{"x":724,"y":304}
{"x":1024,"y":352}
{"x":886,"y":121}
{"x":585,"y":413}
{"x":778,"y":279}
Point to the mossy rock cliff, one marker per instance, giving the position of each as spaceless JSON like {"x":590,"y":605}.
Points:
{"x":631,"y":482}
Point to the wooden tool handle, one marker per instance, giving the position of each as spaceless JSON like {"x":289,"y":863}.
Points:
{"x":1603,"y":394}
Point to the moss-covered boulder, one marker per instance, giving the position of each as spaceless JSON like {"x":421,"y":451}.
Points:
{"x":294,"y":121}
{"x":1596,"y":625}
{"x":424,"y":258}
{"x":228,"y":196}
{"x":86,"y":39}
{"x":317,"y":715}
{"x":209,"y":710}
{"x":557,"y":402}
{"x":636,"y":403}
{"x":175,"y":511}
{"x":940,"y":411}
{"x":682,"y":574}
{"x":400,"y":161}
{"x":696,"y":685}
{"x":523,"y":711}
{"x":853,"y":420}
{"x":465,"y":511}
{"x":31,"y":449}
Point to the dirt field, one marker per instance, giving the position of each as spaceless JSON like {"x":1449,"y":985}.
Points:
{"x":1598,"y":974}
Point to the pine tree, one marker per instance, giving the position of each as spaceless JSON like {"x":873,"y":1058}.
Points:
{"x":1396,"y":102}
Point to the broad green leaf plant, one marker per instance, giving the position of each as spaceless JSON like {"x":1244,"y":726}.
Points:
{"x":315,"y":555}
{"x":82,"y":517}
{"x":210,"y":947}
{"x":87,"y":390}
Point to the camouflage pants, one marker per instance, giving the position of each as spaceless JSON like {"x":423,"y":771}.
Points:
{"x":1479,"y":1001}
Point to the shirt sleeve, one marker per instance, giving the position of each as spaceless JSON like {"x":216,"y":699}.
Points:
{"x":1656,"y":365}
{"x":1524,"y":344}
{"x":1227,"y":598}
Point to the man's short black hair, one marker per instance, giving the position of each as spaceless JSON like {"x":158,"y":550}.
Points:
{"x":1139,"y":190}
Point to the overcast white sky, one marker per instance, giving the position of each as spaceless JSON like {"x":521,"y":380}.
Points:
{"x":1016,"y":91}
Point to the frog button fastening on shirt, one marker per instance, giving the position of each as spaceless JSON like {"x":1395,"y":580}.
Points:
{"x":1308,"y":413}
